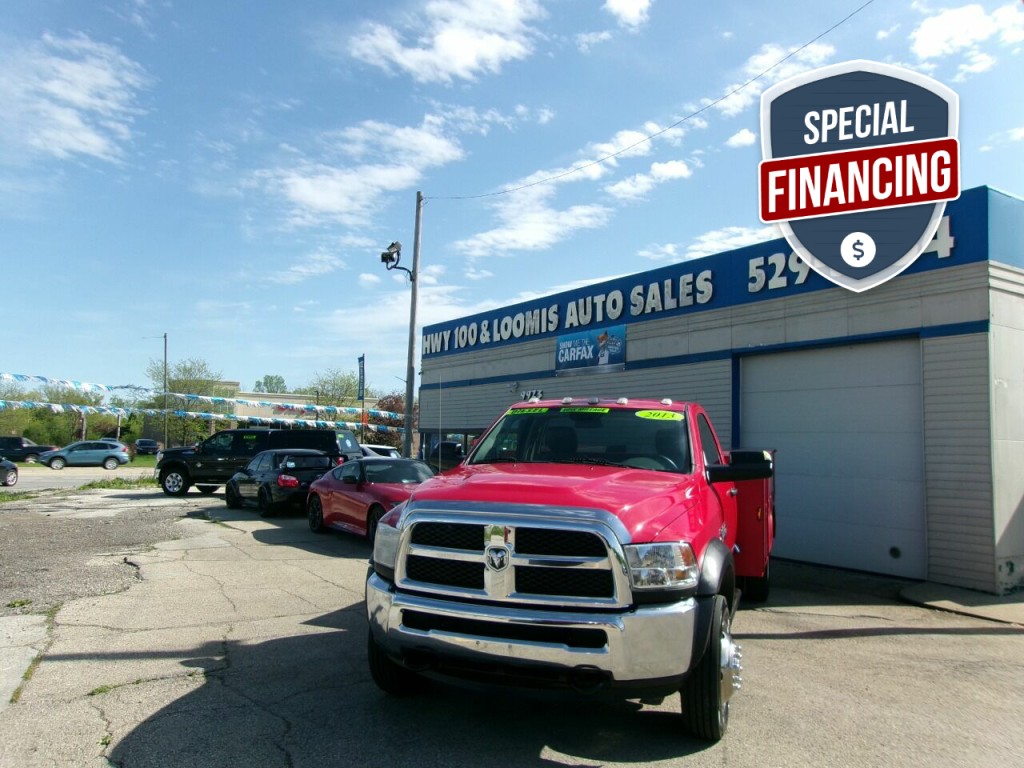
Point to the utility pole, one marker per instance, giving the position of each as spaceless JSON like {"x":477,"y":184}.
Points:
{"x":410,"y":373}
{"x":165,"y":391}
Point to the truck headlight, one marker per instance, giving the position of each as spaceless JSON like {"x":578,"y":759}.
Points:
{"x":664,"y":565}
{"x":385,"y":543}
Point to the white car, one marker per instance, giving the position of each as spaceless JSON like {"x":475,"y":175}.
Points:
{"x":380,"y":450}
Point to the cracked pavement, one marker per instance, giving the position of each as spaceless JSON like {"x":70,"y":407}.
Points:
{"x":241,"y":642}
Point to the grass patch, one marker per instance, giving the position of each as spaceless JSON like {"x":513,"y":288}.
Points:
{"x":121,"y":483}
{"x":10,"y":496}
{"x":99,"y":690}
{"x":19,"y":603}
{"x":51,"y":618}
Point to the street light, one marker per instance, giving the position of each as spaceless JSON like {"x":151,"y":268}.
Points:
{"x":391,"y":259}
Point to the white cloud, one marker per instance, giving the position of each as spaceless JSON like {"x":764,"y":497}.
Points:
{"x":629,"y":13}
{"x":68,"y":97}
{"x":315,"y":265}
{"x":977,"y":62}
{"x":454,"y":39}
{"x":743,"y":138}
{"x":531,"y":223}
{"x":318,"y":192}
{"x":729,"y":238}
{"x":663,"y":252}
{"x":367,"y":279}
{"x":884,"y":34}
{"x":963,"y":31}
{"x":587,"y":40}
{"x":952,"y":30}
{"x":638,"y":185}
{"x":768,"y":66}
{"x":1017,"y":134}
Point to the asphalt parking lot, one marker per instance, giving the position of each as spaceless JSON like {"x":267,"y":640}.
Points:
{"x":230,"y":640}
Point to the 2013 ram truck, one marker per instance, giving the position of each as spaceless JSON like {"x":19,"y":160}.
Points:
{"x":586,"y":546}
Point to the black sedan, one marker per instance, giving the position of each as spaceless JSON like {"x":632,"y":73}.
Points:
{"x":8,"y":472}
{"x":277,"y":479}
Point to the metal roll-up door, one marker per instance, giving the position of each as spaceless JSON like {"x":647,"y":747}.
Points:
{"x":847,"y":425}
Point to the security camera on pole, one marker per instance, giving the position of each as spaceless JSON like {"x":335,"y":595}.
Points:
{"x":390,"y":259}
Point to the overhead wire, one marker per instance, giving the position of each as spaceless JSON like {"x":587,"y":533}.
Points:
{"x":676,"y":124}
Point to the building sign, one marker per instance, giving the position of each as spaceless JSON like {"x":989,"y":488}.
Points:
{"x":593,"y":351}
{"x":760,"y":272}
{"x":859,"y":161}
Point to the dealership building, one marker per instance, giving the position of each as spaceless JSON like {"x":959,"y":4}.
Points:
{"x":897,"y":413}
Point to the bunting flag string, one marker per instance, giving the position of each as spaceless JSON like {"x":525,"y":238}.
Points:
{"x":256,"y":420}
{"x":84,"y":386}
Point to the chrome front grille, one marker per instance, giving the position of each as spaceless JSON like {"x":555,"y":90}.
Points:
{"x":515,"y":559}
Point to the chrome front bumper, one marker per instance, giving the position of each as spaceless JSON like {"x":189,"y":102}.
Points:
{"x":648,"y":643}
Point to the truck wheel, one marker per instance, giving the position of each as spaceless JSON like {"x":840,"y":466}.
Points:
{"x":315,"y":514}
{"x":173,"y":482}
{"x":264,"y":503}
{"x":206,"y":490}
{"x":231,"y":498}
{"x":706,"y":692}
{"x":389,"y":676}
{"x":755,"y":589}
{"x":32,"y":458}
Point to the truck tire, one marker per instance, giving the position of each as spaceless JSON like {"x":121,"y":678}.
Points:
{"x":706,"y":692}
{"x":389,"y":676}
{"x":174,"y":482}
{"x":206,"y":490}
{"x":32,"y":458}
{"x":755,"y":589}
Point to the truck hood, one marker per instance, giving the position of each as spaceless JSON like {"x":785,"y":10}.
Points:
{"x":651,"y":505}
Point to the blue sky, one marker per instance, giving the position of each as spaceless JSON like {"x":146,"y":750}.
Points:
{"x":228,"y":173}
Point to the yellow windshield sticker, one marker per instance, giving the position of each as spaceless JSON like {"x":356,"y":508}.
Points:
{"x":582,"y":409}
{"x":660,"y":415}
{"x":514,"y":411}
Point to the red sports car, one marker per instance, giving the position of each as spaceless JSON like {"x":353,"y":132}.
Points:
{"x":354,"y":496}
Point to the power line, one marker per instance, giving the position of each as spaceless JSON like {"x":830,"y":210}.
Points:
{"x":696,"y":113}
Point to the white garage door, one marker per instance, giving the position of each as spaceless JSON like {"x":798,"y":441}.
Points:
{"x":847,"y":424}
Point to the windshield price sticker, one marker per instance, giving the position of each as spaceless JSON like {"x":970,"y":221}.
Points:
{"x":581,"y":409}
{"x":660,"y":415}
{"x":516,"y":411}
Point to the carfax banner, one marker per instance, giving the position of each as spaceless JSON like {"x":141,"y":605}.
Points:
{"x":859,"y":161}
{"x":596,"y":350}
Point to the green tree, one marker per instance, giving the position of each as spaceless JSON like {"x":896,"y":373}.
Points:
{"x":192,"y":376}
{"x":395,"y":403}
{"x":270,"y":383}
{"x":334,"y":387}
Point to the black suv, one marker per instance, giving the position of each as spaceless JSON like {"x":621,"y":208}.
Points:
{"x":22,"y":449}
{"x":213,"y":462}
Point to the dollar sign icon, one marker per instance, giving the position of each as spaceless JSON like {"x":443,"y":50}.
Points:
{"x":857,"y":249}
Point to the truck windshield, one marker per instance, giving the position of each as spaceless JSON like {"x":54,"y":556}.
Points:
{"x":645,"y":439}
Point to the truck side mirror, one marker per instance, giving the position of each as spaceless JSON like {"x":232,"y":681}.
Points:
{"x":746,"y":465}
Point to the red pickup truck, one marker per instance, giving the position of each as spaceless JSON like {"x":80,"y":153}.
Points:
{"x":586,"y":546}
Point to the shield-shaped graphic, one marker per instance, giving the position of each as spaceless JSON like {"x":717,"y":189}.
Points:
{"x":851,"y":108}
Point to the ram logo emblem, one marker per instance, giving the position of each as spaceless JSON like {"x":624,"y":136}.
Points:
{"x":497,"y":558}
